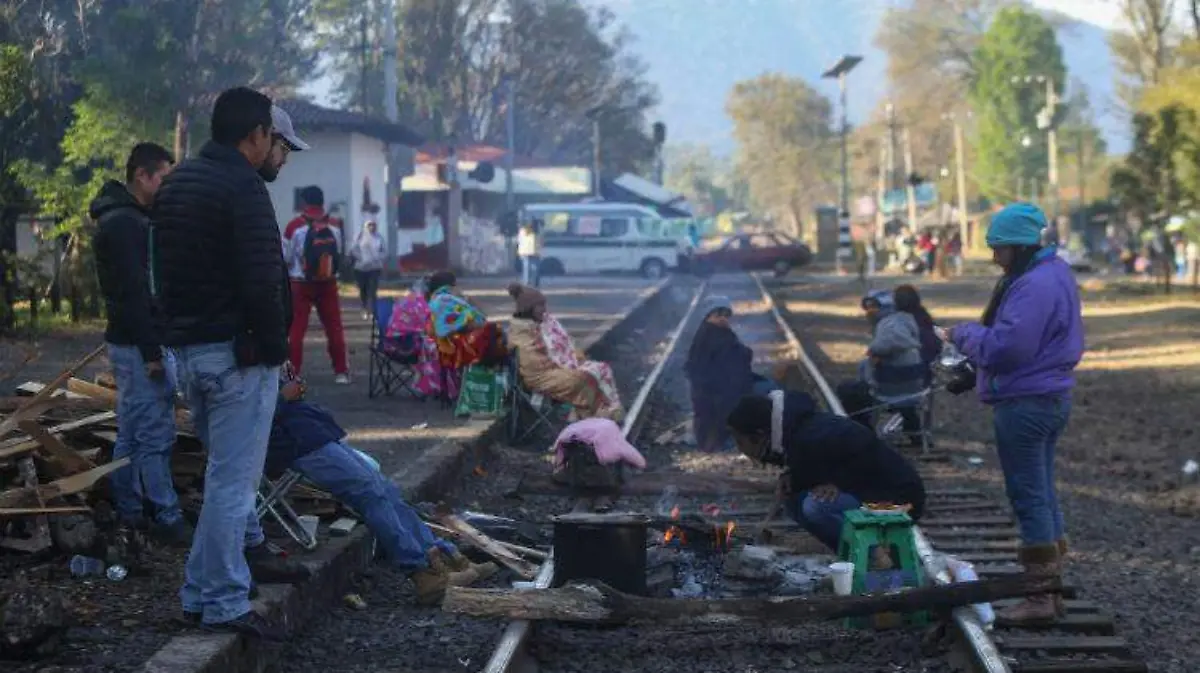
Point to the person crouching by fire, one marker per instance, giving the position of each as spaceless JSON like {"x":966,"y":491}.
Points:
{"x":832,"y":463}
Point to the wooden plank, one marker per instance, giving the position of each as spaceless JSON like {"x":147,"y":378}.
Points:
{"x":40,"y":539}
{"x":18,"y":445}
{"x":52,"y":446}
{"x":953,"y":507}
{"x":1074,"y":606}
{"x":486,"y":544}
{"x":1065,"y":644}
{"x":987,"y":557}
{"x":943,"y":533}
{"x":1076,"y":666}
{"x":62,"y":487}
{"x":34,"y":511}
{"x":951,"y":522}
{"x":9,"y":424}
{"x":949,"y":545}
{"x":1079,"y":623}
{"x":595,"y":602}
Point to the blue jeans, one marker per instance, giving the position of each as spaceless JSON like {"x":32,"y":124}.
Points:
{"x":146,"y":434}
{"x":530,"y":272}
{"x":232,"y":409}
{"x":823,"y":520}
{"x":1027,"y":430}
{"x":339,"y":469}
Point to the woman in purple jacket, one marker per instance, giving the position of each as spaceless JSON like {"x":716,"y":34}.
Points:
{"x":1025,"y":350}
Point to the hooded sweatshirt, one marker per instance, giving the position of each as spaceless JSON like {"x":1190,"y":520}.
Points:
{"x":896,"y":341}
{"x":1036,"y":340}
{"x":120,"y":245}
{"x":822,"y":448}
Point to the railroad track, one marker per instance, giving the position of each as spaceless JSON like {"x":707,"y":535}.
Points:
{"x":977,"y":527}
{"x":970,"y":524}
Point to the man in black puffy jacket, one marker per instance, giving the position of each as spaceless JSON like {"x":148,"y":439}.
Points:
{"x":218,"y":272}
{"x":145,"y":388}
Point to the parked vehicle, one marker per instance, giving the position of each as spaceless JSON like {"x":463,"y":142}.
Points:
{"x":605,"y":237}
{"x":773,"y":251}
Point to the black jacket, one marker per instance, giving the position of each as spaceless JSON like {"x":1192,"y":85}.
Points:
{"x":218,"y":258}
{"x":120,"y":246}
{"x":298,"y":429}
{"x":822,"y":448}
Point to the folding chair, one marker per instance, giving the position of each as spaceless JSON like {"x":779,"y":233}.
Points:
{"x":544,"y":411}
{"x":891,"y":427}
{"x":271,"y":498}
{"x":393,"y":366}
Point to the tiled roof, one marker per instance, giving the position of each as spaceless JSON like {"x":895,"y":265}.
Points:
{"x":308,"y":116}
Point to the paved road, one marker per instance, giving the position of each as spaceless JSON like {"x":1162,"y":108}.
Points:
{"x":397,"y":429}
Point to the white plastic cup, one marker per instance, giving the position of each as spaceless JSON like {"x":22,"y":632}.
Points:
{"x":309,"y":523}
{"x":843,"y":577}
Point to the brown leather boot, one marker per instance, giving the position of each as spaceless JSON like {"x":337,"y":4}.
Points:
{"x":456,"y":562}
{"x":1042,"y":608}
{"x":431,"y":585}
{"x":473,"y":574}
{"x":1059,"y":607}
{"x":1062,"y":548}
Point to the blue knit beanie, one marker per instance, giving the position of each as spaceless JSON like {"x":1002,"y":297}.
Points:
{"x":1017,"y":224}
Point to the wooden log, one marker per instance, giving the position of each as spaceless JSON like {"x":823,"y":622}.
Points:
{"x":595,"y":602}
{"x":6,"y":512}
{"x":516,"y":548}
{"x":52,"y":447}
{"x":489,"y":546}
{"x":40,"y":538}
{"x":20,"y":497}
{"x":9,"y":424}
{"x":108,"y":396}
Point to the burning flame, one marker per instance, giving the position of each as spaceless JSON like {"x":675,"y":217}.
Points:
{"x":674,"y":533}
{"x":723,"y":535}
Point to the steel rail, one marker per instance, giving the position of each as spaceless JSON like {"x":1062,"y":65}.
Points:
{"x":516,"y":633}
{"x":986,"y":654}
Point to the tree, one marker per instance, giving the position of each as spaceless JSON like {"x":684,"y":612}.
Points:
{"x":1144,"y":49}
{"x":1006,"y":94}
{"x":701,"y":176}
{"x":786,"y":147}
{"x":564,"y":60}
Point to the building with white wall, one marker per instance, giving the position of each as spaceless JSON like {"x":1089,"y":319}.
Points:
{"x":348,"y":161}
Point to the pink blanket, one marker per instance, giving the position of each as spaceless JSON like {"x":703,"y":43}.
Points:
{"x":606,"y":440}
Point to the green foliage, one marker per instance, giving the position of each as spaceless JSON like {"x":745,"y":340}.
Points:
{"x":1148,"y":183}
{"x":705,"y":179}
{"x":1018,"y":44}
{"x":786,"y":145}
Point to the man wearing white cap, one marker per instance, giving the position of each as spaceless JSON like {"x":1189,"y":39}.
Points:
{"x":284,"y":141}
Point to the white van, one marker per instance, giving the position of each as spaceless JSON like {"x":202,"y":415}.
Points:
{"x":604,"y":237}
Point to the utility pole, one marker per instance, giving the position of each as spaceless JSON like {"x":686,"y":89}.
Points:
{"x":880,"y":192}
{"x":893,"y":172}
{"x":510,"y":130}
{"x":910,"y":190}
{"x":839,"y":71}
{"x":960,"y":179}
{"x":391,"y":107}
{"x":596,"y":155}
{"x":1052,"y":151}
{"x":1080,"y":180}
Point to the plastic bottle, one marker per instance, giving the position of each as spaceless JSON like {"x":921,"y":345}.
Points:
{"x":116,"y":573}
{"x":962,"y":571}
{"x":86,"y":566}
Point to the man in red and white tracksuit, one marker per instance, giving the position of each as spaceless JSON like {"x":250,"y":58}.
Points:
{"x":312,"y":248}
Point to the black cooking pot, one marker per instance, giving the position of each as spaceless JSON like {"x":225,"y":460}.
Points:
{"x":610,"y":548}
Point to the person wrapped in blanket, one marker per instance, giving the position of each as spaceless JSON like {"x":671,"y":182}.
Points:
{"x":590,"y":458}
{"x":306,"y":438}
{"x":894,"y":369}
{"x":549,"y":363}
{"x":461,"y":330}
{"x":408,"y":333}
{"x":831,"y":463}
{"x":719,"y":369}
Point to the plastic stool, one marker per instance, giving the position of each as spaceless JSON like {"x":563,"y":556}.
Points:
{"x":862,"y":531}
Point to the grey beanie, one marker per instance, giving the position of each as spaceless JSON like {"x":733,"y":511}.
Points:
{"x":715,"y":303}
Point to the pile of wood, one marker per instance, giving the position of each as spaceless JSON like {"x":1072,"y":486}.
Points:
{"x":56,"y":442}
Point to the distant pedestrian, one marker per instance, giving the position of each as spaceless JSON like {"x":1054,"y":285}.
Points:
{"x":368,"y":253}
{"x":143,"y":371}
{"x":314,"y":251}
{"x":529,"y":249}
{"x":1025,"y":350}
{"x":219,"y":276}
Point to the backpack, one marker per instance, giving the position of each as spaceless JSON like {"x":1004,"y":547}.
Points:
{"x":321,"y":259}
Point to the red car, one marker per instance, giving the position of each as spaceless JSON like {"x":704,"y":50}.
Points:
{"x":771,"y":251}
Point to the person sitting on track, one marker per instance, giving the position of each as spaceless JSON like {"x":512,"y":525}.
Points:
{"x":719,"y":369}
{"x":908,"y":300}
{"x":550,"y":364}
{"x":306,"y":438}
{"x":893,"y":369}
{"x":832,"y":464}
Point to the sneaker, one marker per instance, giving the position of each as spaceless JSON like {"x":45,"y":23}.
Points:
{"x":177,"y":534}
{"x":341,"y":379}
{"x":269,"y":567}
{"x":251,"y":625}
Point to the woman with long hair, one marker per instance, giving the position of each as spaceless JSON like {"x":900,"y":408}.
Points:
{"x":908,"y":300}
{"x":1025,"y":350}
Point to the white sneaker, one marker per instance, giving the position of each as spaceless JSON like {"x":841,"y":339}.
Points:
{"x":342,"y":379}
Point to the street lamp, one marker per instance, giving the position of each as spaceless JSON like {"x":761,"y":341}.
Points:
{"x":839,"y":71}
{"x":1045,"y":121}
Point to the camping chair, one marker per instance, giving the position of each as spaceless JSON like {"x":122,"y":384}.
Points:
{"x":393,"y":359}
{"x":271,"y":498}
{"x":891,"y":427}
{"x":543,"y":411}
